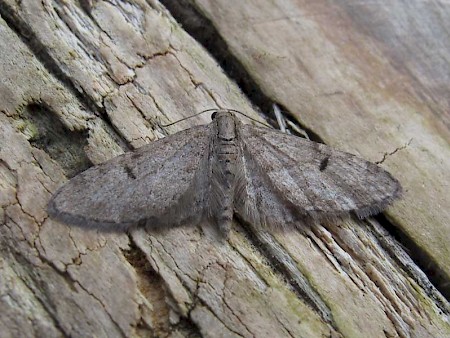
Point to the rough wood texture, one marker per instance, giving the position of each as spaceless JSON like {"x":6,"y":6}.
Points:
{"x":370,"y":77}
{"x":82,"y":82}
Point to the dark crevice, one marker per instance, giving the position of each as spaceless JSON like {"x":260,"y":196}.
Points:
{"x":86,"y":6}
{"x":61,"y":144}
{"x":152,"y":288}
{"x":435,"y":274}
{"x":41,"y":52}
{"x":186,"y":328}
{"x":203,"y":30}
{"x":150,"y":285}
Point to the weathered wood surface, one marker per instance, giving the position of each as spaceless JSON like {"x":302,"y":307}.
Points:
{"x":370,"y":77}
{"x":83,"y":82}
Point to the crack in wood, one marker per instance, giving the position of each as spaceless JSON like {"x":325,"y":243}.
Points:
{"x":152,"y":288}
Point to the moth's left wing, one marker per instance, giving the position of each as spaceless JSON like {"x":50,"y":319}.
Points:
{"x":284,"y":176}
{"x":161,"y":184}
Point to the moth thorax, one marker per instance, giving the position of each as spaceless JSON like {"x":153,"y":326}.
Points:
{"x":226,"y":127}
{"x":226,"y":146}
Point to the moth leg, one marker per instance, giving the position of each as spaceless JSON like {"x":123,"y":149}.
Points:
{"x":284,"y":124}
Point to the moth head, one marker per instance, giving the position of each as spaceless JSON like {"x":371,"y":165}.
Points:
{"x":220,"y":112}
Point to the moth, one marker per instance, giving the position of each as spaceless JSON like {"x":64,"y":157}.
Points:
{"x":211,"y":172}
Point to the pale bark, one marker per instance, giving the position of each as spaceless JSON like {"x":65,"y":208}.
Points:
{"x":83,"y":82}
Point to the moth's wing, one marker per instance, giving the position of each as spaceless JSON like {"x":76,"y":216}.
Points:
{"x":160,"y":184}
{"x":285,"y":176}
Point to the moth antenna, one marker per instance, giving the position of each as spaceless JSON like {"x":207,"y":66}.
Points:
{"x":215,"y":110}
{"x":249,"y":117}
{"x":189,"y":117}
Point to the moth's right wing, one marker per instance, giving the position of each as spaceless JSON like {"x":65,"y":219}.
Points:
{"x":160,"y":184}
{"x":287,"y":178}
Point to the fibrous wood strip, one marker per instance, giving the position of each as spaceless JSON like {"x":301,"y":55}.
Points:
{"x":81,"y":83}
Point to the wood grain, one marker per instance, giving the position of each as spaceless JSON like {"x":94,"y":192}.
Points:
{"x":368,"y":77}
{"x":85,"y":81}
